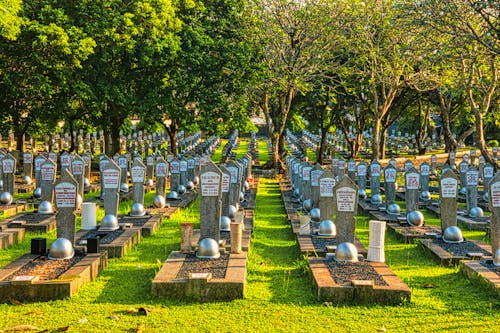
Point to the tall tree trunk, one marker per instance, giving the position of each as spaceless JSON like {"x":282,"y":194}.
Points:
{"x":172,"y":131}
{"x":445,"y":109}
{"x":71,"y":136}
{"x":322,"y":145}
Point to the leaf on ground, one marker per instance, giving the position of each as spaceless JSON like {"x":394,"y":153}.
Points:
{"x":61,"y":329}
{"x":382,"y":329}
{"x":24,"y":328}
{"x":428,"y":285}
{"x":34,"y":313}
{"x":140,"y":328}
{"x":114,"y":317}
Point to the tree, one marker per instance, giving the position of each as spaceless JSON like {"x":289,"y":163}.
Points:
{"x":10,"y":21}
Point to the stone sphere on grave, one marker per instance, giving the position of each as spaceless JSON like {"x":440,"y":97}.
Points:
{"x":453,"y":234}
{"x":149,"y":182}
{"x":232,"y":210}
{"x":393,"y":209}
{"x":476,"y":212}
{"x":327,"y":228}
{"x":208,"y":248}
{"x":45,"y":207}
{"x":27,"y":180}
{"x":315,"y":214}
{"x":37,"y":193}
{"x":425,"y":195}
{"x":109,"y":223}
{"x":496,"y":258}
{"x":376,"y":199}
{"x":362,"y":193}
{"x":307,"y":205}
{"x":189,"y":185}
{"x":61,"y":249}
{"x":173,"y":195}
{"x":181,"y":189}
{"x":346,"y":252}
{"x":137,"y":209}
{"x":415,"y":218}
{"x":124,"y":187}
{"x":5,"y":198}
{"x":225,"y":223}
{"x":159,"y":201}
{"x":86,"y":182}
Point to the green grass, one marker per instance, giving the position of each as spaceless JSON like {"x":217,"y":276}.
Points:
{"x":263,"y":151}
{"x":278,"y":295}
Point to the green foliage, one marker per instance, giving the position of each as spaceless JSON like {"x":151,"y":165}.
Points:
{"x":493,"y":143}
{"x":10,"y":21}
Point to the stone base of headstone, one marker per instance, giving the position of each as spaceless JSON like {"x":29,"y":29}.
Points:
{"x":186,"y":200}
{"x":446,"y":258}
{"x":32,"y":222}
{"x":364,"y":291}
{"x":10,"y":236}
{"x":126,"y":238}
{"x":320,"y":246}
{"x":236,"y":235}
{"x":32,"y":288}
{"x":408,"y":234}
{"x":201,"y":287}
{"x":477,"y":223}
{"x":12,"y":209}
{"x":147,"y":224}
{"x":483,"y":272}
{"x":166,"y":211}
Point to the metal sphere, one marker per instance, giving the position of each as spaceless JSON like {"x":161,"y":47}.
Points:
{"x":225,"y":223}
{"x":1,"y":183}
{"x":346,"y":252}
{"x":415,"y":218}
{"x":296,"y":193}
{"x":173,"y":195}
{"x":5,"y":198}
{"x":86,"y":182}
{"x":45,"y":207}
{"x":246,"y":185}
{"x":486,"y":196}
{"x":463,"y":191}
{"x":27,"y":180}
{"x":362,"y":193}
{"x":124,"y":187}
{"x":496,"y":258}
{"x":149,"y":182}
{"x":137,"y":209}
{"x":315,"y":214}
{"x":189,"y":185}
{"x":476,"y":212}
{"x":376,"y":199}
{"x":61,"y":249}
{"x":393,"y":209}
{"x":232,"y":211}
{"x":307,"y":205}
{"x":196,"y":180}
{"x":242,"y":196}
{"x":37,"y":194}
{"x":208,"y":248}
{"x":109,"y":223}
{"x":327,"y":228}
{"x":181,"y":189}
{"x":453,"y":234}
{"x":159,"y":201}
{"x":425,"y":195}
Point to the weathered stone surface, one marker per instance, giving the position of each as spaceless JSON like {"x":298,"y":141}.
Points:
{"x":111,"y":176}
{"x":210,"y":200}
{"x":390,"y":176}
{"x":161,"y":176}
{"x":346,"y":198}
{"x":66,"y":191}
{"x":494,"y":202}
{"x":448,"y":192}
{"x":138,"y":175}
{"x":326,"y":195}
{"x":47,"y":178}
{"x":412,"y":186}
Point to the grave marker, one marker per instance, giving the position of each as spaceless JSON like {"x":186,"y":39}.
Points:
{"x":111,"y":176}
{"x":471,"y":183}
{"x":210,"y":201}
{"x":138,"y":173}
{"x":327,"y":182}
{"x":412,"y":185}
{"x":448,"y":191}
{"x":494,"y":202}
{"x":47,"y":177}
{"x":316,"y":172}
{"x":66,"y":191}
{"x":8,"y":173}
{"x":390,"y":174}
{"x":346,"y":198}
{"x":161,"y":176}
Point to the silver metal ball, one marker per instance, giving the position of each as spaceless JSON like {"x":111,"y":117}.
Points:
{"x":376,"y":199}
{"x":61,"y":249}
{"x":86,"y":182}
{"x":393,"y":209}
{"x":196,"y":180}
{"x":346,"y":252}
{"x":225,"y":223}
{"x":137,"y":209}
{"x":496,"y":258}
{"x":453,"y":234}
{"x":37,"y":193}
{"x":242,"y":196}
{"x":109,"y":223}
{"x":362,"y":193}
{"x":315,"y":214}
{"x":307,"y":205}
{"x":296,"y":193}
{"x":327,"y":228}
{"x":476,"y":212}
{"x":6,"y":198}
{"x":173,"y":195}
{"x":463,"y":190}
{"x":415,"y":218}
{"x":159,"y":201}
{"x":486,"y":196}
{"x":189,"y":185}
{"x":124,"y":187}
{"x":208,"y":248}
{"x":27,"y":180}
{"x":246,"y":185}
{"x":45,"y":207}
{"x":232,"y":211}
{"x":181,"y":189}
{"x":425,"y":195}
{"x":149,"y":182}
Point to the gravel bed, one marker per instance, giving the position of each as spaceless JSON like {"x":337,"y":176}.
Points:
{"x":460,"y":249}
{"x":104,"y":237}
{"x":137,"y":221}
{"x":419,"y":230}
{"x":489,"y":265}
{"x":32,"y":217}
{"x":343,"y":272}
{"x":321,"y":243}
{"x":45,"y":268}
{"x":193,"y":264}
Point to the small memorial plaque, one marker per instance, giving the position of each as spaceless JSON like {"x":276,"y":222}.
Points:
{"x":77,"y":167}
{"x":161,"y":169}
{"x":361,"y":170}
{"x":306,"y":173}
{"x":210,"y":182}
{"x":346,"y":199}
{"x":425,"y":169}
{"x":8,"y":165}
{"x":150,"y":161}
{"x":137,"y":174}
{"x":449,"y":188}
{"x":28,"y":158}
{"x":488,"y":172}
{"x":495,"y":194}
{"x":375,"y":170}
{"x":315,"y":174}
{"x":183,"y":166}
{"x":65,"y":194}
{"x":390,"y":175}
{"x":111,"y":178}
{"x":226,"y":178}
{"x":326,"y":187}
{"x":351,"y":166}
{"x":472,"y":178}
{"x":174,"y":167}
{"x":412,"y":181}
{"x":123,"y":163}
{"x":48,"y":172}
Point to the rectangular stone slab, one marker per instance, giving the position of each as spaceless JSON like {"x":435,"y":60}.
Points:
{"x":474,"y":270}
{"x":119,"y":246}
{"x":444,"y":257}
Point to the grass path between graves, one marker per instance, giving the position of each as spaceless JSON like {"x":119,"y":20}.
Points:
{"x":279,"y":295}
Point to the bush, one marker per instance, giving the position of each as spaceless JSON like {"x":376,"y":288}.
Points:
{"x":493,"y":143}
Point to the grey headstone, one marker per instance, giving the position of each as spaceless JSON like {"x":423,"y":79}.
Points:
{"x":375,"y":170}
{"x":316,"y":172}
{"x":327,"y":182}
{"x":306,"y":180}
{"x":183,"y":170}
{"x":123,"y":163}
{"x":65,"y":159}
{"x":28,"y":164}
{"x":103,"y":160}
{"x":351,"y":169}
{"x":412,"y":186}
{"x":210,"y":200}
{"x":425,"y":170}
{"x":39,"y":160}
{"x":138,"y":175}
{"x":65,"y":191}
{"x":448,"y":191}
{"x":87,"y":159}
{"x":346,"y":199}
{"x":235,"y":183}
{"x":8,"y":173}
{"x":47,"y":178}
{"x":161,"y":176}
{"x":78,"y":170}
{"x":471,"y":183}
{"x":463,"y":167}
{"x":488,"y":174}
{"x":481,"y":162}
{"x":190,"y":168}
{"x":434,"y":164}
{"x":175,"y":176}
{"x":362,"y":170}
{"x":494,"y":202}
{"x":111,"y":176}
{"x":225,"y":188}
{"x":451,"y":157}
{"x":390,"y":176}
{"x":473,"y":157}
{"x":150,"y":167}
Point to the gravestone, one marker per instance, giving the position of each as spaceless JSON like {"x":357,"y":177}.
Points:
{"x":362,"y":176}
{"x":39,"y":160}
{"x":103,"y":161}
{"x":471,"y":183}
{"x":306,"y":180}
{"x":150,"y":167}
{"x":351,"y":169}
{"x":175,"y":176}
{"x":122,"y":162}
{"x":316,"y":172}
{"x":341,"y":167}
{"x":28,"y":164}
{"x":77,"y":171}
{"x":111,"y":176}
{"x":8,"y":173}
{"x":66,"y":191}
{"x":451,"y":158}
{"x":138,"y":175}
{"x":448,"y":191}
{"x":327,"y":182}
{"x":495,"y":153}
{"x":335,"y":166}
{"x":412,"y":185}
{"x":183,"y":171}
{"x":425,"y":170}
{"x":393,"y":162}
{"x":234,"y":184}
{"x":463,"y":168}
{"x":434,"y":164}
{"x":376,"y":246}
{"x":346,"y":208}
{"x":390,"y":174}
{"x":47,"y":178}
{"x":65,"y":159}
{"x":197,"y":166}
{"x":481,"y":162}
{"x":488,"y":174}
{"x":190,"y":168}
{"x":494,"y":202}
{"x":408,"y":165}
{"x":225,"y":188}
{"x":210,"y":200}
{"x":473,"y":157}
{"x":53,"y":156}
{"x":87,"y":166}
{"x":375,"y":169}
{"x":161,"y":176}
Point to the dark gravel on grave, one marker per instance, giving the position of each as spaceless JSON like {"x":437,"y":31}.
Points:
{"x":104,"y":237}
{"x":321,"y":243}
{"x":193,"y":264}
{"x":414,"y":230}
{"x":33,"y":217}
{"x":460,"y":249}
{"x":45,"y":268}
{"x":343,"y":272}
{"x":137,"y":221}
{"x":489,"y":265}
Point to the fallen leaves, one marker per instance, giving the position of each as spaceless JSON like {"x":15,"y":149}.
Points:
{"x":24,"y":328}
